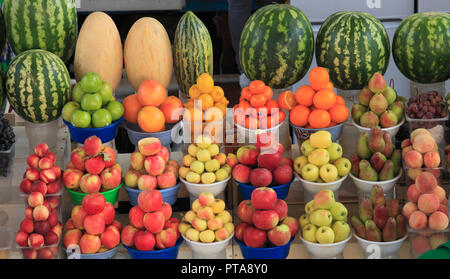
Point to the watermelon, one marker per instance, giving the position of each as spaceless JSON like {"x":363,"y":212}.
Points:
{"x":192,"y":51}
{"x":37,"y":85}
{"x":352,"y":46}
{"x":42,"y":24}
{"x":276,"y":45}
{"x":2,"y":32}
{"x":421,"y":47}
{"x":2,"y":93}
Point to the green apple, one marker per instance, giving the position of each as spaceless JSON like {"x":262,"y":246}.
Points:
{"x":68,"y":109}
{"x":310,"y":172}
{"x":193,"y":177}
{"x":338,"y":211}
{"x":106,"y":92}
{"x":203,"y":155}
{"x":91,"y":102}
{"x":306,"y":147}
{"x":309,"y":233}
{"x":101,"y":118}
{"x":221,"y":174}
{"x":325,"y":235}
{"x":319,"y":157}
{"x":299,"y":163}
{"x":328,"y":173}
{"x":212,"y":165}
{"x":77,"y":93}
{"x":341,"y":231}
{"x":197,"y":167}
{"x":309,"y":207}
{"x":335,"y":151}
{"x":208,"y":178}
{"x":116,"y":109}
{"x":321,"y":217}
{"x":343,"y":166}
{"x":80,"y":118}
{"x":91,"y":82}
{"x":303,"y":220}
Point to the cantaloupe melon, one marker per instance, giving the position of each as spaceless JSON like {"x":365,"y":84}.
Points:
{"x":99,"y":49}
{"x":148,"y":53}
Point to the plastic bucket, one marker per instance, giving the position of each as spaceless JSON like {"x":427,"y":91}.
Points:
{"x":135,"y":134}
{"x":303,"y":134}
{"x":168,"y":253}
{"x":169,"y":195}
{"x":281,"y":190}
{"x":277,"y":252}
{"x":110,"y":196}
{"x":106,"y":134}
{"x":101,"y":256}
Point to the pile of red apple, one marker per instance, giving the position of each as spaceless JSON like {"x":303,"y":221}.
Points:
{"x":265,"y":220}
{"x":91,"y":226}
{"x":92,"y":168}
{"x":262,"y":165}
{"x":150,"y":167}
{"x":150,"y":224}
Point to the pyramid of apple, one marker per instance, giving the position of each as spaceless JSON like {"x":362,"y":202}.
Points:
{"x":376,"y":158}
{"x":207,"y":221}
{"x":265,"y":222}
{"x":151,"y":225}
{"x":262,"y":165}
{"x":205,"y":164}
{"x":150,"y":167}
{"x":91,"y":226}
{"x":325,"y":220}
{"x":322,"y":159}
{"x":92,"y":168}
{"x":378,"y":220}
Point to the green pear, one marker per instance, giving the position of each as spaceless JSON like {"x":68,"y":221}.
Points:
{"x":319,"y":157}
{"x":309,"y":233}
{"x":325,"y":235}
{"x":335,"y":151}
{"x":321,"y":217}
{"x":306,"y":147}
{"x":338,"y":211}
{"x":341,"y":231}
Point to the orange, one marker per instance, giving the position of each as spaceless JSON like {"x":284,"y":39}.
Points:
{"x":339,"y":113}
{"x":213,"y":114}
{"x":318,"y":78}
{"x":217,"y":93}
{"x":193,"y":114}
{"x":278,"y":117}
{"x":151,"y":119}
{"x":151,"y":93}
{"x":256,"y":87}
{"x":268,"y":92}
{"x":251,"y":123}
{"x":224,"y":100}
{"x":329,"y":85}
{"x":245,"y":106}
{"x":286,"y":100}
{"x":131,"y":107}
{"x":299,"y":115}
{"x":194,"y":93}
{"x":246,"y":94}
{"x":205,"y":83}
{"x":304,"y":95}
{"x":207,"y":101}
{"x":324,"y":99}
{"x":172,"y":109}
{"x":271,"y":105}
{"x":340,"y":100}
{"x":258,"y":101}
{"x":319,"y":119}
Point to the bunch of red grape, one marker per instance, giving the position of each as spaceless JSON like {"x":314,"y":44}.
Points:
{"x":426,"y":105}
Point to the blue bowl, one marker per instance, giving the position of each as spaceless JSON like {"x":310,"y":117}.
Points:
{"x":100,"y":256}
{"x":168,"y":253}
{"x":277,"y":252}
{"x":281,"y":190}
{"x":303,"y":134}
{"x":106,"y":134}
{"x":135,"y":134}
{"x":169,"y":195}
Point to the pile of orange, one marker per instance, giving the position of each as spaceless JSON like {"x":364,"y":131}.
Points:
{"x":207,"y":101}
{"x":316,"y":105}
{"x":150,"y":107}
{"x":256,"y":109}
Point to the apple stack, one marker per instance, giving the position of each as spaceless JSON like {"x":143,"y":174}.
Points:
{"x":379,"y":220}
{"x":41,"y":186}
{"x":150,"y":224}
{"x":91,"y":226}
{"x":150,"y":167}
{"x":325,"y":221}
{"x":265,"y":220}
{"x":92,"y":168}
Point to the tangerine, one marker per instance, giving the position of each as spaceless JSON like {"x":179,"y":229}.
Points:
{"x":172,"y":109}
{"x":131,"y":107}
{"x":213,"y":114}
{"x":239,"y":117}
{"x":286,"y":100}
{"x":319,"y":118}
{"x":324,"y":99}
{"x":256,"y":87}
{"x":207,"y":101}
{"x":271,"y":105}
{"x":304,"y":95}
{"x":318,"y":78}
{"x":251,"y":122}
{"x":339,"y":113}
{"x":246,"y":94}
{"x":217,"y":94}
{"x":245,"y":106}
{"x":205,"y":83}
{"x":268,"y":92}
{"x":329,"y":85}
{"x":151,"y":119}
{"x":340,"y":100}
{"x":151,"y":93}
{"x":193,"y":114}
{"x":299,"y":115}
{"x":258,"y":100}
{"x":194,"y":93}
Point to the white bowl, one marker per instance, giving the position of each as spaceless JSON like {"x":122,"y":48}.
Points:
{"x":314,"y":187}
{"x":365,"y":186}
{"x":391,"y":130}
{"x":215,"y":188}
{"x":380,"y":250}
{"x":213,"y":250}
{"x":325,"y":251}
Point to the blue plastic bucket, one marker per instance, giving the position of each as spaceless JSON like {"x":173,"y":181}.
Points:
{"x":100,"y":256}
{"x":281,"y":190}
{"x":135,"y":134}
{"x":169,"y":195}
{"x":106,"y":134}
{"x":277,"y":252}
{"x":168,"y":253}
{"x":303,"y":134}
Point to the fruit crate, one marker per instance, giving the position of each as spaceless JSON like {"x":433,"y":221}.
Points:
{"x":422,"y":241}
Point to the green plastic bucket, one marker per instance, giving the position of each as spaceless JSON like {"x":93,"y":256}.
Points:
{"x":110,"y":196}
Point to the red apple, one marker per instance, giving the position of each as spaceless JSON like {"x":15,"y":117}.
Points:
{"x":247,"y":155}
{"x":254,"y":237}
{"x":282,"y":175}
{"x":279,"y":235}
{"x":265,"y":219}
{"x":245,"y":211}
{"x":260,"y":177}
{"x":264,"y":198}
{"x":239,"y":230}
{"x":93,"y":203}
{"x":281,"y":208}
{"x":241,"y":173}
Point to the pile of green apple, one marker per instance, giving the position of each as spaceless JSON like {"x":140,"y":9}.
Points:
{"x":93,"y":104}
{"x":325,"y":221}
{"x":322,"y":159}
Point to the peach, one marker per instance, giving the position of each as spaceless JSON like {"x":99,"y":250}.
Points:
{"x":54,"y":187}
{"x":154,"y":165}
{"x":136,"y":216}
{"x":57,"y":229}
{"x":225,"y":216}
{"x":27,"y":226}
{"x":94,"y":224}
{"x":413,"y":173}
{"x":53,"y":202}
{"x":232,"y":160}
{"x":146,"y":182}
{"x":408,"y":209}
{"x":53,"y":219}
{"x":51,"y":238}
{"x":29,"y":212}
{"x":222,"y":158}
{"x":183,"y":227}
{"x":40,"y":213}
{"x":33,"y":161}
{"x":241,"y":173}
{"x":426,"y":182}
{"x":281,"y":208}
{"x":164,"y":153}
{"x":166,"y":209}
{"x":150,"y":200}
{"x":428,"y":203}
{"x":77,"y":158}
{"x":444,"y":201}
{"x":44,"y":253}
{"x":110,"y":178}
{"x":47,"y":175}
{"x":22,"y":239}
{"x":45,"y":163}
{"x":167,"y":179}
{"x":144,"y":241}
{"x":90,"y":244}
{"x":57,"y":171}
{"x":36,"y":240}
{"x":93,"y":203}
{"x":418,"y":132}
{"x":443,"y":208}
{"x":154,"y":221}
{"x":215,"y":223}
{"x":52,"y":156}
{"x":239,"y":231}
{"x":417,"y":220}
{"x":137,"y":160}
{"x":440,"y":193}
{"x":127,"y":235}
{"x":94,"y":165}
{"x":217,"y":206}
{"x":41,"y":227}
{"x":406,"y":150}
{"x":438,"y":221}
{"x":222,"y":234}
{"x":413,"y":193}
{"x":245,"y":211}
{"x":189,"y":216}
{"x":90,"y":183}
{"x":196,"y":205}
{"x":77,"y":215}
{"x":92,"y":145}
{"x":205,"y":198}
{"x":413,"y":159}
{"x":264,"y":198}
{"x":110,"y":239}
{"x":131,"y":178}
{"x":32,"y":174}
{"x":293,"y":225}
{"x":279,"y":235}
{"x":199,"y":224}
{"x":205,"y":212}
{"x":149,"y":146}
{"x":35,"y":199}
{"x":41,"y":149}
{"x":30,"y":254}
{"x":420,"y":244}
{"x":25,"y":186}
{"x":39,"y":186}
{"x":405,"y":143}
{"x":254,"y":237}
{"x":423,"y":143}
{"x":71,"y":178}
{"x":431,"y":159}
{"x":166,"y":238}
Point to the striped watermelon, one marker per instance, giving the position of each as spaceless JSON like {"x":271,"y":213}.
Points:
{"x":37,"y":85}
{"x":276,"y":45}
{"x":421,"y":47}
{"x":193,"y":52}
{"x":42,"y":24}
{"x":352,"y":46}
{"x":2,"y":31}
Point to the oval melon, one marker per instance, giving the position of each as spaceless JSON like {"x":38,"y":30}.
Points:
{"x":148,"y":53}
{"x":99,"y":49}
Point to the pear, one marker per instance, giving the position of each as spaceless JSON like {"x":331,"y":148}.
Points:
{"x":366,"y":172}
{"x":378,"y":104}
{"x":362,"y":148}
{"x":390,"y":94}
{"x":341,"y":231}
